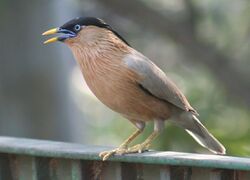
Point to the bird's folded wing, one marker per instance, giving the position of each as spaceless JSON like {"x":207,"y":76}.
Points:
{"x":154,"y":80}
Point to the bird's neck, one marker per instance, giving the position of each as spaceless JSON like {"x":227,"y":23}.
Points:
{"x":99,"y":58}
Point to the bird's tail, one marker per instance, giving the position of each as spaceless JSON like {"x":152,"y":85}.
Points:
{"x":198,"y":131}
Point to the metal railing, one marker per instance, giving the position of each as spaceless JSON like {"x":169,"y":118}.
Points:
{"x":28,"y":159}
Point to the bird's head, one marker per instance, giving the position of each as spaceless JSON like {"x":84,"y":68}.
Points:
{"x":83,"y":30}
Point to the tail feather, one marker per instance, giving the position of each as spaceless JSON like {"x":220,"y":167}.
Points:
{"x":198,"y":131}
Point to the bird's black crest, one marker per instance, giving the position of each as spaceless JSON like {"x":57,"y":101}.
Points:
{"x":90,"y":21}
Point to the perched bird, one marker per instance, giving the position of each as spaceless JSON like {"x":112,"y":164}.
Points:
{"x":129,"y":83}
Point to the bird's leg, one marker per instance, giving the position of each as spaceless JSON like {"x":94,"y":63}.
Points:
{"x":143,"y":146}
{"x":158,"y":126}
{"x":125,"y":144}
{"x":123,"y":147}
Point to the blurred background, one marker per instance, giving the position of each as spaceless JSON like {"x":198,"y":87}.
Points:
{"x":202,"y":45}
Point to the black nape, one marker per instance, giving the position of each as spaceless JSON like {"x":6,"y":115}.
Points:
{"x":91,"y":21}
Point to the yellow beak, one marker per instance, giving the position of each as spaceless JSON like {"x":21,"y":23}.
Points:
{"x":49,"y":32}
{"x":51,"y":40}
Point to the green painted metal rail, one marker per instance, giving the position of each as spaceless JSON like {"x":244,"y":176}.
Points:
{"x":39,"y":159}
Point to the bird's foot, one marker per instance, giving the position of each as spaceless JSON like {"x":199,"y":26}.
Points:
{"x":139,"y":148}
{"x":120,"y":151}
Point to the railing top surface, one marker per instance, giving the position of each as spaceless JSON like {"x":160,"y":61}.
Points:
{"x":54,"y":149}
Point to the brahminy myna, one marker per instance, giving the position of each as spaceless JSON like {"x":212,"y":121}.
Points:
{"x":129,"y":83}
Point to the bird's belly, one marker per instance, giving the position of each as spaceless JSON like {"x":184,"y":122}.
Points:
{"x":126,"y":98}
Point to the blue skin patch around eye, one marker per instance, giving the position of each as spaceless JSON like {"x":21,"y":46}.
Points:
{"x":77,"y":27}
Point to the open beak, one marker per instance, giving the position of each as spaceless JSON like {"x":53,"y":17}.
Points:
{"x":65,"y":35}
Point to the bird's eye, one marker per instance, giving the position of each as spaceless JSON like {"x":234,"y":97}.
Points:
{"x":77,"y":27}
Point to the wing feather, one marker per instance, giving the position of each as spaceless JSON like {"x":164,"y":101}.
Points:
{"x":156,"y":82}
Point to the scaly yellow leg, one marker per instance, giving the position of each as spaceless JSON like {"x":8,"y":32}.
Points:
{"x":122,"y":148}
{"x":143,"y":146}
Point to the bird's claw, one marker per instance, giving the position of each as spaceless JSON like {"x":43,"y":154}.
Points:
{"x":106,"y":154}
{"x":139,"y":148}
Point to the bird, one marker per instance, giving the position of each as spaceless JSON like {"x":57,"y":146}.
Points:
{"x":130,"y":84}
